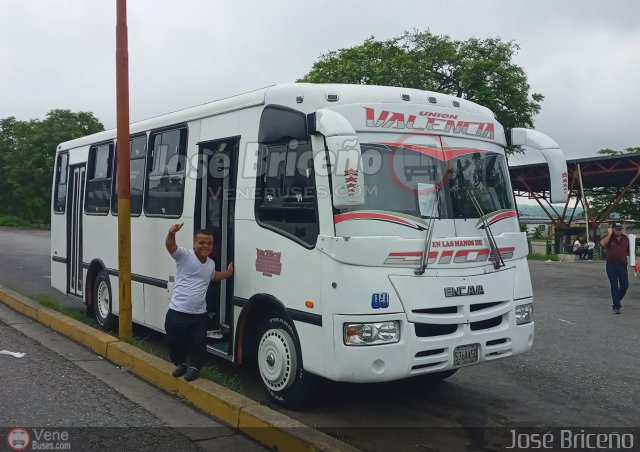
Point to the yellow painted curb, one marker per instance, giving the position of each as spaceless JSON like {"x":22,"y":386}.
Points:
{"x":206,"y":395}
{"x":270,"y":428}
{"x":283,"y":433}
{"x":19,"y":303}
{"x":78,"y":331}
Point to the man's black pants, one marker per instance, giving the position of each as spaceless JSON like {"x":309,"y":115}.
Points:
{"x":187,"y":336}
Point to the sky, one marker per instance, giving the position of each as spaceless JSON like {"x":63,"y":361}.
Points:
{"x":583,"y":56}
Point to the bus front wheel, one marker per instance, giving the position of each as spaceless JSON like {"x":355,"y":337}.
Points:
{"x":280,"y":364}
{"x":102,"y":301}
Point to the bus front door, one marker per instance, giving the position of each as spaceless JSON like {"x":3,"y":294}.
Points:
{"x":74,"y":231}
{"x":214,"y":211}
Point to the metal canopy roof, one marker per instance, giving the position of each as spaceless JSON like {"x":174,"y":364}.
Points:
{"x":597,"y":172}
{"x":619,"y":171}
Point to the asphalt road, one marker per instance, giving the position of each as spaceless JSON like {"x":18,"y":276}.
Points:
{"x":584,"y":370}
{"x":57,"y":387}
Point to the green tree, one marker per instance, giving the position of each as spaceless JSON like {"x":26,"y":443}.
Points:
{"x":629,"y":206}
{"x":479,"y":70}
{"x":27,"y":152}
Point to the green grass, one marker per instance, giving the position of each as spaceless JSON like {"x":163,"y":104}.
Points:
{"x":142,"y":344}
{"x":55,"y":306}
{"x":542,"y":257}
{"x":228,"y":381}
{"x":211,"y":373}
{"x":14,"y":222}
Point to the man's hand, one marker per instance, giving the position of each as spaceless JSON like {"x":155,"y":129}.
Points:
{"x":170,"y":241}
{"x":175,"y":228}
{"x":219,"y":276}
{"x":605,"y":239}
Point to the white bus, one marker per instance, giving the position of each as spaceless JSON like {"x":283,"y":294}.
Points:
{"x":373,"y":230}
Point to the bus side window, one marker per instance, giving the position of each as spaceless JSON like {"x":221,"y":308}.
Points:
{"x":286,"y":194}
{"x":98,"y":188}
{"x":166,"y":172}
{"x":60,"y":196}
{"x":137,"y":152}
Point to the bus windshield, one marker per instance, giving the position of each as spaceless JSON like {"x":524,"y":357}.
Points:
{"x":425,"y":181}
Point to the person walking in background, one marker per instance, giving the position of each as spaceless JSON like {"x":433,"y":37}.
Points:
{"x":617,"y":250}
{"x":187,"y":320}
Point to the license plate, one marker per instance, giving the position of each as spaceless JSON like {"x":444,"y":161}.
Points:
{"x":465,"y":354}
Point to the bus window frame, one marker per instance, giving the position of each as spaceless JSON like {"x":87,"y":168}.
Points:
{"x":57,"y":183}
{"x":90,"y":171}
{"x":114,"y":184}
{"x":282,"y":137}
{"x":149,"y":162}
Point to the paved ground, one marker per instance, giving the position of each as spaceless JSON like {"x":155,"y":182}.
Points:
{"x":63,"y":387}
{"x":584,"y":369}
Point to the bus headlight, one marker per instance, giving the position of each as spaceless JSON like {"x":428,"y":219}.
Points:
{"x":371,"y":333}
{"x":524,"y":313}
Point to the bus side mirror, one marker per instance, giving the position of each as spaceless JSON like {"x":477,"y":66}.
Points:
{"x":558,"y":174}
{"x":345,"y":158}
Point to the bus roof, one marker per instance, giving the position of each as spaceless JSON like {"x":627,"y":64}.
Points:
{"x":306,"y":97}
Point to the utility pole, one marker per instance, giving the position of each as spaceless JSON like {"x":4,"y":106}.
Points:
{"x":124,"y":189}
{"x":584,"y":203}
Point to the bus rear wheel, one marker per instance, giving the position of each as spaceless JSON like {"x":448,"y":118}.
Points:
{"x":280,"y":364}
{"x":102,"y":301}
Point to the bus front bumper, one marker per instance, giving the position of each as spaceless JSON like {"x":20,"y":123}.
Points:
{"x":416,"y":354}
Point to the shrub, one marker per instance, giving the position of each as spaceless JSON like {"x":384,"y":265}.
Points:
{"x":14,"y":222}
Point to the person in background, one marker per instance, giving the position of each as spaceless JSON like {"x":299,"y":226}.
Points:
{"x":617,"y":247}
{"x":591,"y":245}
{"x":578,"y":247}
{"x":187,"y":320}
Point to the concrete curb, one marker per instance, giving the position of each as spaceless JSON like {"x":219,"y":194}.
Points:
{"x":268,"y":427}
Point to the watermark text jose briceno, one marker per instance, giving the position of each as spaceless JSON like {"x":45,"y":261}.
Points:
{"x":572,"y":439}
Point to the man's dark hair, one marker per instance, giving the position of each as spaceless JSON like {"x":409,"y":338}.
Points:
{"x":202,"y":232}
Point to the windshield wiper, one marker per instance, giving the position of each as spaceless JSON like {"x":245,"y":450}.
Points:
{"x":495,"y":252}
{"x":427,"y":240}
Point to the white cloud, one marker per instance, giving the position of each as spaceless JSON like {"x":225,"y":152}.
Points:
{"x":60,"y":54}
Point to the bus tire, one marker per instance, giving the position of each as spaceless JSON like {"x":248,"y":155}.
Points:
{"x":102,"y":301}
{"x":280,"y":363}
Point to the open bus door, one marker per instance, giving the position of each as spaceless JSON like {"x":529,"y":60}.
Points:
{"x":214,"y":211}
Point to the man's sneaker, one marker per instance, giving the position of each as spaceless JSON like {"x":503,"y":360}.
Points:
{"x":192,"y":374}
{"x":180,"y":370}
{"x":214,"y":334}
{"x":616,"y":311}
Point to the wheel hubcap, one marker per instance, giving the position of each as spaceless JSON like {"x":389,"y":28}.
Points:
{"x":277,"y":359}
{"x":103,"y":300}
{"x":271,"y":360}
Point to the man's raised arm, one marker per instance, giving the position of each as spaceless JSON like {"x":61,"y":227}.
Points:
{"x":605,"y":240}
{"x":170,"y":241}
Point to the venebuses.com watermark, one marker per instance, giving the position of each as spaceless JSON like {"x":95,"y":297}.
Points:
{"x":38,"y":439}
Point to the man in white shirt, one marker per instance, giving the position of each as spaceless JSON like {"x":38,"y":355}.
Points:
{"x":186,"y":321}
{"x":579,"y":249}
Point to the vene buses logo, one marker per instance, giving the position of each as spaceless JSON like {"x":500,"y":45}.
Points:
{"x":39,"y":439}
{"x":18,"y":439}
